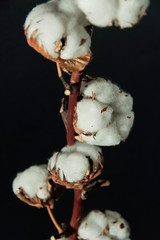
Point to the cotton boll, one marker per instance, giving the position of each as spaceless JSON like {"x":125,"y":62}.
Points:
{"x":77,"y":44}
{"x":124,"y":123}
{"x":103,"y":89}
{"x":75,"y":166}
{"x":99,"y":12}
{"x":105,"y":137}
{"x":123,"y":102}
{"x":31,"y":180}
{"x":130,"y":11}
{"x":92,"y":225}
{"x":57,"y":30}
{"x":92,"y":115}
{"x":93,"y":152}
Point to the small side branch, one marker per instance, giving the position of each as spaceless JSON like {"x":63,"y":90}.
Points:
{"x":58,"y":227}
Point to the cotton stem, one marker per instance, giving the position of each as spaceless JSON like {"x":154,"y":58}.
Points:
{"x":75,"y":79}
{"x":76,"y":213}
{"x":77,"y":205}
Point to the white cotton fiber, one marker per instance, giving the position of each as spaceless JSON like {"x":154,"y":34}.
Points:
{"x":104,"y":226}
{"x":93,"y":152}
{"x":34,"y":182}
{"x":72,"y":161}
{"x":130,"y":11}
{"x":93,"y":115}
{"x":104,"y":116}
{"x":105,"y":137}
{"x":123,"y":102}
{"x":118,"y":226}
{"x":53,"y":21}
{"x":104,"y":237}
{"x":104,"y":90}
{"x":77,"y":44}
{"x":99,"y":12}
{"x":124,"y":123}
{"x":72,"y":165}
{"x":92,"y":225}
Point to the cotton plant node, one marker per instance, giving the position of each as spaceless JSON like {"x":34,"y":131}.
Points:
{"x":95,"y":112}
{"x":75,"y":166}
{"x":60,"y":32}
{"x":104,"y":115}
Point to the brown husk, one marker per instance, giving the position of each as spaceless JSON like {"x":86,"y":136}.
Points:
{"x":71,"y":65}
{"x":35,"y":201}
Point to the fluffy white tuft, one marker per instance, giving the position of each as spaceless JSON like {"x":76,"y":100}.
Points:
{"x":93,"y":115}
{"x":102,"y":13}
{"x":104,"y":226}
{"x":103,"y":89}
{"x":118,"y":226}
{"x":107,"y":119}
{"x":92,"y":225}
{"x":130,"y":12}
{"x":94,"y":152}
{"x":105,"y":137}
{"x":72,"y":162}
{"x":50,"y":22}
{"x":34,"y":181}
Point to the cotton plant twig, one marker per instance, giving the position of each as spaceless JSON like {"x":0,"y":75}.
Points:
{"x":58,"y":227}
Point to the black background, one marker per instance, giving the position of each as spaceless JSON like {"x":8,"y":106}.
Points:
{"x":31,"y":128}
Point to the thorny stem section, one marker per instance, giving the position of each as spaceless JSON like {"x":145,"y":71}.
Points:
{"x":58,"y":227}
{"x":77,"y":205}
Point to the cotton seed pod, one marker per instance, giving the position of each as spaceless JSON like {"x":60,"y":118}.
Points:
{"x":59,"y":31}
{"x":106,"y":225}
{"x":32,"y":186}
{"x":124,"y":13}
{"x":75,"y":166}
{"x":104,"y":116}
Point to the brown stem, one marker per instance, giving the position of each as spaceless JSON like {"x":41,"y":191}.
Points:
{"x":77,"y":205}
{"x":59,"y":229}
{"x":76,"y":213}
{"x":75,"y":78}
